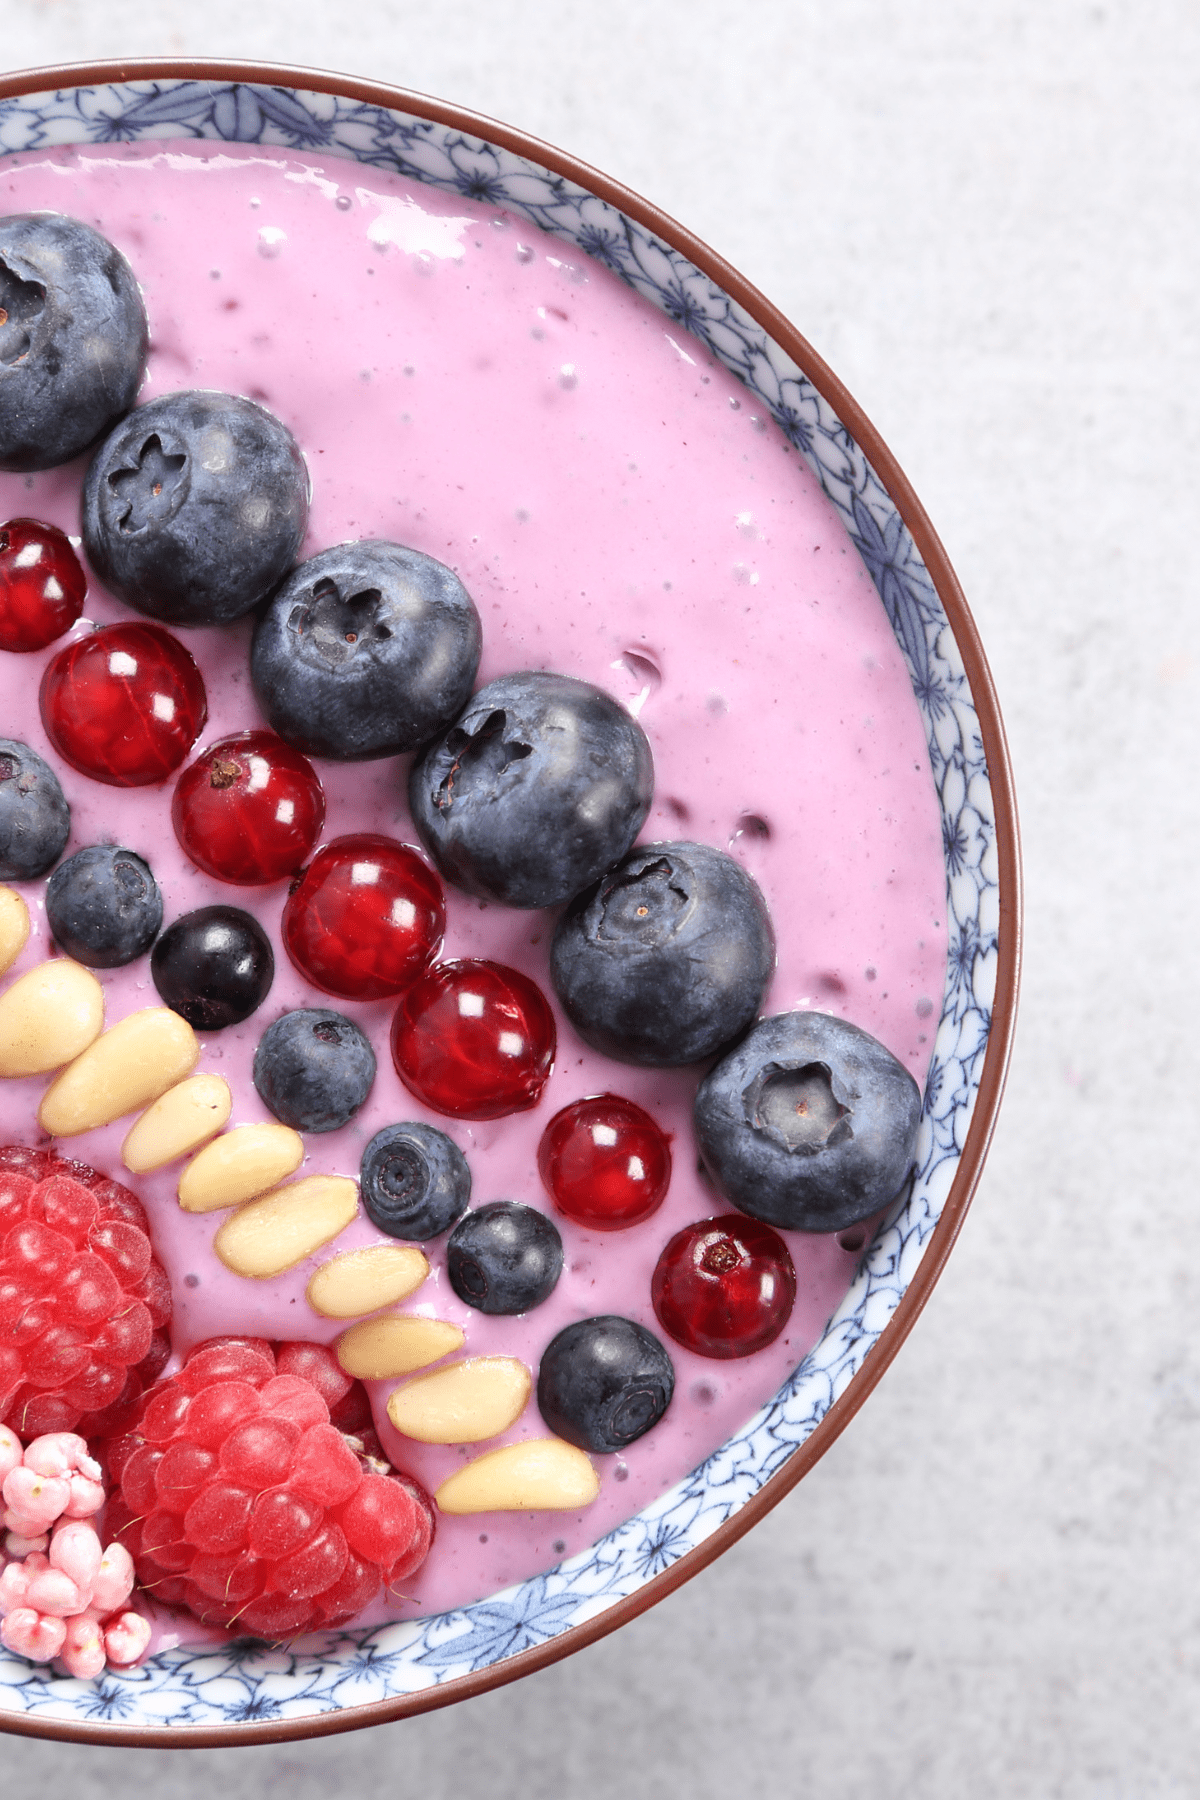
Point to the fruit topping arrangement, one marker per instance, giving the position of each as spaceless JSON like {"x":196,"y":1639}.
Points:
{"x":247,"y":1479}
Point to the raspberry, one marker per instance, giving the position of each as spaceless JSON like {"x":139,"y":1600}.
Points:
{"x":83,"y":1303}
{"x":242,"y":1501}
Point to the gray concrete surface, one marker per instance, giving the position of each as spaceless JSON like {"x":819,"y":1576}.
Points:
{"x":986,"y":218}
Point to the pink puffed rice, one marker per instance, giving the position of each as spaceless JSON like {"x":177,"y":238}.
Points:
{"x":62,"y":1595}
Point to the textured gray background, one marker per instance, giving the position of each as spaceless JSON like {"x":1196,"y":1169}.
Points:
{"x":985,"y":217}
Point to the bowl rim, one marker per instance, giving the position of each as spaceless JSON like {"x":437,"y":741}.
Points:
{"x":1009,"y":932}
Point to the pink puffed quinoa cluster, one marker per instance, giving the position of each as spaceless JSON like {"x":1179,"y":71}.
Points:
{"x":61,"y":1595}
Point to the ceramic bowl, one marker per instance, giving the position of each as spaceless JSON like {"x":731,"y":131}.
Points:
{"x":250,"y":1693}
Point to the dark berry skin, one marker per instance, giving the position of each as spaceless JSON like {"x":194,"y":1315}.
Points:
{"x":73,"y":339}
{"x":809,"y":1124}
{"x":194,"y":508}
{"x":249,"y":809}
{"x":313,"y":1069}
{"x":42,"y":585}
{"x":604,"y":1383}
{"x":724,"y":1287}
{"x":415,"y":1181}
{"x":35,"y":820}
{"x":666,"y":959}
{"x":103,"y":906}
{"x":367,"y":650}
{"x":214,"y":966}
{"x":542,"y":784}
{"x":504,"y":1258}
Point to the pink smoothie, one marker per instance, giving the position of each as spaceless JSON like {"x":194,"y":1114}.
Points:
{"x":621,"y":510}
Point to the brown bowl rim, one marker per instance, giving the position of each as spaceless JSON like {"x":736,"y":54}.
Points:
{"x":1000,"y":1035}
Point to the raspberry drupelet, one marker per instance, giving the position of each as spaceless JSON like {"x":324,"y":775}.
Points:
{"x":253,"y":1494}
{"x":83,"y":1301}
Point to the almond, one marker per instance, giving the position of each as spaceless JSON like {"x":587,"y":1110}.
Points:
{"x":278,"y":1230}
{"x":48,"y":1017}
{"x":539,"y":1475}
{"x":178,"y":1121}
{"x":463,"y":1403}
{"x":240,"y":1165}
{"x":127,"y":1067}
{"x":14,"y":927}
{"x":379,"y":1348}
{"x":365,"y":1281}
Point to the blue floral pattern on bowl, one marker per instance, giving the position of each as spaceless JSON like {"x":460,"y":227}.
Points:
{"x":246,"y":1683}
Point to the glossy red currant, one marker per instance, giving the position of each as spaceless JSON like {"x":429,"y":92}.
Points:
{"x":724,"y":1287}
{"x":124,"y":704}
{"x":474,"y":1040}
{"x":249,"y":809}
{"x":605,"y":1163}
{"x":365,"y":918}
{"x":42,"y":584}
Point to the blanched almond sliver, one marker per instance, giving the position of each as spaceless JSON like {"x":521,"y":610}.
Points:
{"x":365,"y":1281}
{"x":379,"y":1348}
{"x":182,"y":1118}
{"x":464,"y":1403}
{"x":14,"y":927}
{"x":540,"y":1475}
{"x":48,"y":1017}
{"x":128,"y":1066}
{"x":277,"y":1231}
{"x":245,"y":1162}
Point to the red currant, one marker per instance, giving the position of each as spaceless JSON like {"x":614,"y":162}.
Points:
{"x":365,"y":919}
{"x":42,"y":584}
{"x":124,"y":704}
{"x":474,"y":1040}
{"x":605,"y":1163}
{"x":249,"y":809}
{"x":724,"y":1287}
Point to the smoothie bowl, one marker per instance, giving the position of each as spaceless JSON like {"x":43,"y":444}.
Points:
{"x":493,"y":377}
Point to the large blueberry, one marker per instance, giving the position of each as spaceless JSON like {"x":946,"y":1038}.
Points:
{"x":103,"y":906}
{"x":809,"y":1123}
{"x":542,"y":784}
{"x":213,"y":966}
{"x":194,"y":507}
{"x":314,"y":1068}
{"x":35,"y":820}
{"x":666,"y":958}
{"x":73,"y":339}
{"x":603,"y":1383}
{"x":504,"y":1258}
{"x":415,"y":1181}
{"x":367,"y":650}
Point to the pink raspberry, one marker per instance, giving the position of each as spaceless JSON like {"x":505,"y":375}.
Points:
{"x":83,"y":1302}
{"x":242,"y":1501}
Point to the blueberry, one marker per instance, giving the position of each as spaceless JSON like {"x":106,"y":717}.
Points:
{"x":314,"y":1068}
{"x":604,"y":1383}
{"x":214,"y":966}
{"x":194,"y":507}
{"x":809,"y":1124}
{"x":666,"y":959}
{"x":415,"y":1181}
{"x":73,"y":339}
{"x":35,"y":820}
{"x":367,"y":650}
{"x":541,"y":785}
{"x":504,"y":1258}
{"x":103,"y":906}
